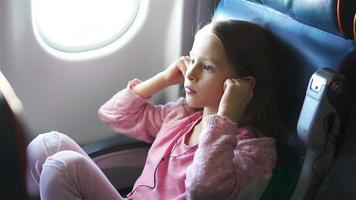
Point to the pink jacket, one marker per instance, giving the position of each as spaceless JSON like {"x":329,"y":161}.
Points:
{"x":228,"y":163}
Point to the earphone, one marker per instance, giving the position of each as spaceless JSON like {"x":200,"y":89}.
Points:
{"x":156,"y":168}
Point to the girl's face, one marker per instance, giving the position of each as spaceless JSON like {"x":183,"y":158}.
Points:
{"x":207,"y":72}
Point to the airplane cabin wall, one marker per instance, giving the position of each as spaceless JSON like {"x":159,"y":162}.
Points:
{"x":64,"y":95}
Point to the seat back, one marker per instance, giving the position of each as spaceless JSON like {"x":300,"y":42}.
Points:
{"x":12,"y":145}
{"x":310,"y":35}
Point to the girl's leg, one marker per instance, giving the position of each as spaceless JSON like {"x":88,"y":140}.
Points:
{"x":71,"y":175}
{"x":42,"y":147}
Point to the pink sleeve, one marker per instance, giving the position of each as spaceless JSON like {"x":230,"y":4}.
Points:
{"x":222,"y":166}
{"x":130,"y":114}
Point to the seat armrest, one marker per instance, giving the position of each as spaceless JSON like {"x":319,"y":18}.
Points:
{"x":113,"y":144}
{"x":121,"y":159}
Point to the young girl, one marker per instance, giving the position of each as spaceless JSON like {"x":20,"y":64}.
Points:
{"x":219,"y":142}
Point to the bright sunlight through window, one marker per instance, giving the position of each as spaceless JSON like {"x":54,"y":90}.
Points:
{"x":82,"y":25}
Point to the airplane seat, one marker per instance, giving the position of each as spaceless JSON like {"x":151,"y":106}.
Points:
{"x":12,"y":145}
{"x":118,"y":157}
{"x":310,"y":35}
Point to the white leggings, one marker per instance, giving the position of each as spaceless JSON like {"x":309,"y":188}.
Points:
{"x":59,"y":169}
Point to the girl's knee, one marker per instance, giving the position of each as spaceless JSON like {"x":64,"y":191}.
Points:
{"x":38,"y":150}
{"x":66,"y":159}
{"x":48,"y":143}
{"x":70,"y":175}
{"x":64,"y":167}
{"x":42,"y":147}
{"x":59,"y":174}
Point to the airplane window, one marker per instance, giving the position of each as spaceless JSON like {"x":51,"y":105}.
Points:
{"x":82,"y":25}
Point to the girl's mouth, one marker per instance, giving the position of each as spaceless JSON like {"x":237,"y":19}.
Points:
{"x":189,"y":90}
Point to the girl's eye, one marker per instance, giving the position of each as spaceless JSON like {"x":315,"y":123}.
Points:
{"x":207,"y":67}
{"x":191,"y":61}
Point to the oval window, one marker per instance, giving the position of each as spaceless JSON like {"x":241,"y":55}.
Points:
{"x":82,"y":25}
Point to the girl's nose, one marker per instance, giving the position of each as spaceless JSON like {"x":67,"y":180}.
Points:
{"x":191,"y":74}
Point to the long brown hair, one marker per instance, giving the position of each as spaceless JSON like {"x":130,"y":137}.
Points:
{"x":250,"y":50}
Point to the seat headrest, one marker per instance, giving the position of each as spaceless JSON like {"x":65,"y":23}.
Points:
{"x":303,"y":48}
{"x":333,"y":16}
{"x":310,"y":34}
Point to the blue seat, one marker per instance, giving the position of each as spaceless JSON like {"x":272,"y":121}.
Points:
{"x":310,"y":35}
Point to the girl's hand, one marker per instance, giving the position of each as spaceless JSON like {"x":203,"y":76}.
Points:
{"x":237,"y":95}
{"x":175,"y":72}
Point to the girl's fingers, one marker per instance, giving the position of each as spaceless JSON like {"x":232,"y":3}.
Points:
{"x":249,"y":81}
{"x":244,"y":87}
{"x":239,"y":81}
{"x":243,"y":82}
{"x":186,"y":60}
{"x":183,"y":64}
{"x":228,"y":83}
{"x":183,"y":69}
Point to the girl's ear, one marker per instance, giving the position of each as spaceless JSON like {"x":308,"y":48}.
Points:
{"x":251,"y":80}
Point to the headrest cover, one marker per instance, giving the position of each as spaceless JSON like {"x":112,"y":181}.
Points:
{"x":333,"y":16}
